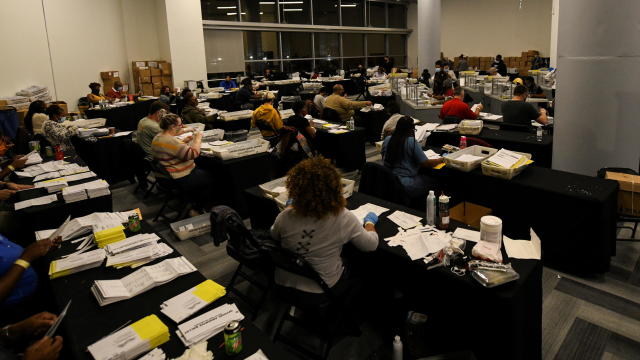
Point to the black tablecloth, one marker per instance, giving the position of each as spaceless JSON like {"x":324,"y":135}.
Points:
{"x":347,"y":149}
{"x":124,"y":118}
{"x":113,"y":159}
{"x":242,"y":124}
{"x":86,"y":322}
{"x":226,"y":102}
{"x":372,"y":121}
{"x":541,"y":151}
{"x":234,"y":175}
{"x":499,"y":323}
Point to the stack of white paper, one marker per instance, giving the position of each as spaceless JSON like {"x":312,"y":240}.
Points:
{"x":33,"y":158}
{"x":404,"y":220}
{"x":43,"y":200}
{"x":132,"y":243}
{"x":141,"y":280}
{"x":97,"y":188}
{"x":468,"y":158}
{"x":35,"y":170}
{"x":74,"y":193}
{"x":52,"y":185}
{"x":76,"y":263}
{"x":208,"y":324}
{"x":505,"y":158}
{"x":137,"y":338}
{"x":523,"y":249}
{"x":446,"y":127}
{"x":189,"y":302}
{"x":80,"y":176}
{"x":363,"y":210}
{"x":421,"y":241}
{"x":432,"y":155}
{"x":90,"y":223}
{"x":138,"y":257}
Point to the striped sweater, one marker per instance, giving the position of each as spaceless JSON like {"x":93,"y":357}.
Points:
{"x":176,"y":156}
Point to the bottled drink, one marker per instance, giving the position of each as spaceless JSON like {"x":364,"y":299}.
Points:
{"x":431,"y":208}
{"x":397,"y":348}
{"x":443,"y":216}
{"x":539,"y":133}
{"x":463,"y":142}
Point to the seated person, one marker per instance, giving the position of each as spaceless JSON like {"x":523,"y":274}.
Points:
{"x":268,"y":74}
{"x":245,"y":94}
{"x":228,"y":83}
{"x":116,"y":92}
{"x":177,"y":157}
{"x":317,"y":226}
{"x":387,"y":65}
{"x":343,"y":106}
{"x":424,"y":78}
{"x":149,"y":126}
{"x":35,"y":117}
{"x":458,"y":108}
{"x":191,"y":113}
{"x":390,"y":125}
{"x":519,"y":111}
{"x":55,"y":131}
{"x":166,"y":96}
{"x":18,"y":280}
{"x":94,"y":96}
{"x":13,"y":338}
{"x":380,"y":73}
{"x":534,"y":90}
{"x":298,"y":121}
{"x":440,"y":90}
{"x":267,"y":118}
{"x":320,"y":99}
{"x":402,"y":153}
{"x":499,"y":65}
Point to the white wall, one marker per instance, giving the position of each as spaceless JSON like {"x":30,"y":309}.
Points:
{"x":490,"y":27}
{"x":140,"y":31}
{"x":25,"y":54}
{"x":225,"y":50}
{"x":412,"y":38}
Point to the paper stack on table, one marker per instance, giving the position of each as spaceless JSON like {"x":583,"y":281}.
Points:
{"x":80,"y":176}
{"x":52,"y":185}
{"x":74,"y":193}
{"x":404,"y":220}
{"x":506,"y":159}
{"x":468,"y":158}
{"x":420,"y":241}
{"x":432,"y":155}
{"x":138,"y":257}
{"x":524,"y":249}
{"x":189,"y":302}
{"x":35,"y":170}
{"x":446,"y":127}
{"x":33,"y":158}
{"x":208,"y":324}
{"x":97,"y":188}
{"x":76,"y":263}
{"x":141,"y":280}
{"x":83,"y":225}
{"x":43,"y":200}
{"x":155,"y":354}
{"x":132,"y":243}
{"x":109,"y":236}
{"x":363,"y":210}
{"x":137,"y":338}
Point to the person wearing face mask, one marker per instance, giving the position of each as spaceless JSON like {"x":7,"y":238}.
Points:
{"x":499,"y":64}
{"x":55,"y":131}
{"x":116,"y":92}
{"x":94,"y":96}
{"x":191,"y":113}
{"x":166,"y":96}
{"x":446,"y":69}
{"x":149,"y":127}
{"x":343,"y":106}
{"x":518,"y":111}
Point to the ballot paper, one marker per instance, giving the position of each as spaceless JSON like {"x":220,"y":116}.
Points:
{"x":137,"y":257}
{"x":432,"y":155}
{"x":446,"y":127}
{"x":89,"y":223}
{"x":33,"y":158}
{"x":475,"y":107}
{"x":468,"y":158}
{"x":404,"y":220}
{"x":52,"y":186}
{"x":259,"y":355}
{"x":505,"y":158}
{"x":44,"y":234}
{"x":122,"y":133}
{"x":189,"y":302}
{"x":488,"y":116}
{"x":363,"y":210}
{"x":155,"y":354}
{"x":107,"y":235}
{"x":523,"y":249}
{"x":421,"y":241}
{"x":35,"y":170}
{"x":132,"y":243}
{"x":135,"y":339}
{"x":86,"y":190}
{"x":141,"y":280}
{"x":52,"y":330}
{"x":43,"y":200}
{"x":466,"y":234}
{"x":208,"y":324}
{"x":80,"y":176}
{"x":76,"y":263}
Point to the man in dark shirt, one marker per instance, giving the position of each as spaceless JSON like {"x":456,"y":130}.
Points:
{"x":245,"y":94}
{"x":500,"y":65}
{"x":518,"y":111}
{"x":387,"y":64}
{"x":301,"y":124}
{"x":535,"y":91}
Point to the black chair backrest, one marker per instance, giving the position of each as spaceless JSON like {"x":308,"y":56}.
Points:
{"x":330,"y":114}
{"x":516,"y":127}
{"x":378,"y":180}
{"x":451,"y":120}
{"x":243,"y":244}
{"x":296,"y":264}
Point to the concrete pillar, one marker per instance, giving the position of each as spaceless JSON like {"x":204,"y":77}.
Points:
{"x":429,"y":13}
{"x":553,"y":43}
{"x":597,"y":105}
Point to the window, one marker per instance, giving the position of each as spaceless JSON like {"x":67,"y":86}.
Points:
{"x":397,"y":16}
{"x":328,"y":67}
{"x":352,"y":44}
{"x":375,"y":61}
{"x":295,"y":12}
{"x":352,"y":12}
{"x":327,"y":45}
{"x":258,"y":67}
{"x":258,"y":11}
{"x":296,"y":45}
{"x":399,"y":61}
{"x":397,"y":44}
{"x":297,"y":66}
{"x":221,"y":10}
{"x":352,"y":63}
{"x":261,"y":45}
{"x":325,"y":12}
{"x":375,"y":45}
{"x":376,"y":14}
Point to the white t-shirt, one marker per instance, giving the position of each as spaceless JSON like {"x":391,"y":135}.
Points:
{"x":319,"y":100}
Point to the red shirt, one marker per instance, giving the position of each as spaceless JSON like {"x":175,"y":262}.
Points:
{"x":458,"y":108}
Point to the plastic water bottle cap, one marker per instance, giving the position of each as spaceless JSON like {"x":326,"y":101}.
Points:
{"x":396,"y":339}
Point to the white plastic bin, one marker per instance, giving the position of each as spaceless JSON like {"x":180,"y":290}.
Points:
{"x":192,"y":227}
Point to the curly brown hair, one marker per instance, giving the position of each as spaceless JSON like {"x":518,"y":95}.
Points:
{"x":315,"y":187}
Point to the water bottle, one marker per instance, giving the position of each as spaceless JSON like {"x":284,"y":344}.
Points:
{"x":351,"y":124}
{"x":443,"y":215}
{"x":539,"y":133}
{"x":431,"y":208}
{"x":463,"y":142}
{"x":397,"y":348}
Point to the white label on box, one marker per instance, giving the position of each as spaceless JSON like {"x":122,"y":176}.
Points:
{"x":116,"y":74}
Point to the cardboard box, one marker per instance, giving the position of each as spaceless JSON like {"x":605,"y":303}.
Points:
{"x":152,"y":64}
{"x":628,"y":194}
{"x":106,"y":75}
{"x":165,"y":67}
{"x":156,"y":92}
{"x":155,"y":72}
{"x":147,"y":89}
{"x":469,"y":213}
{"x":156,"y":81}
{"x":138,"y":64}
{"x":167,"y":80}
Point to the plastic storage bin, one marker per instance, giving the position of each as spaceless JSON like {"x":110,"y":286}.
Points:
{"x":467,"y":166}
{"x":470,"y":127}
{"x":503,"y":173}
{"x":192,"y":227}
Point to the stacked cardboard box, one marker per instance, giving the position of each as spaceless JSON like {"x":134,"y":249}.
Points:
{"x":485,"y":63}
{"x":108,"y":79}
{"x":150,"y":76}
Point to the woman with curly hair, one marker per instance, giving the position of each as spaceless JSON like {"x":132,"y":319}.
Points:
{"x":317,"y":225}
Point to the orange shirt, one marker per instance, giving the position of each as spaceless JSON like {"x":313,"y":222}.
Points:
{"x":113,"y":94}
